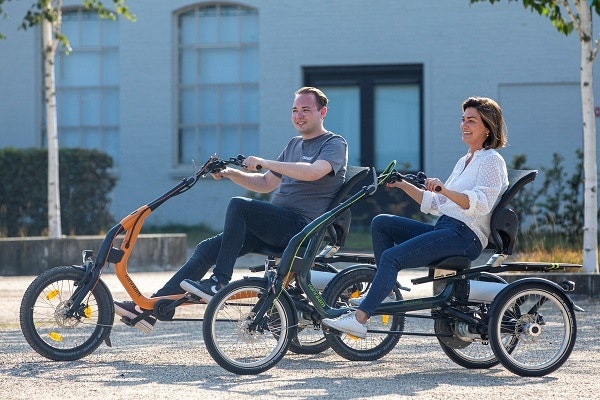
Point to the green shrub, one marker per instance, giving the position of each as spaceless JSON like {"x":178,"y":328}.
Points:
{"x":85,"y":185}
{"x":553,"y":214}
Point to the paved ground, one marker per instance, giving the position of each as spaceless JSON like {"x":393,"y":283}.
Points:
{"x":173,"y":363}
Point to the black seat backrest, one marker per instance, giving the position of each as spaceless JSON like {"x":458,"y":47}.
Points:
{"x":340,"y":227}
{"x":504,"y":223}
{"x":338,"y":230}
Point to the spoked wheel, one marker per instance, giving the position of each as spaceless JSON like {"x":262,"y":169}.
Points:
{"x":44,"y":320}
{"x":374,"y":345}
{"x":309,"y":337}
{"x":466,"y":348}
{"x":539,"y":319}
{"x":227,"y":334}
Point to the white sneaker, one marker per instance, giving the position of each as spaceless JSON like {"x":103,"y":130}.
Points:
{"x":347,"y":323}
{"x":357,"y":300}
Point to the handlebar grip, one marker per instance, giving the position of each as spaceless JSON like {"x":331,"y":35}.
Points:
{"x":258,"y":167}
{"x":437,"y":188}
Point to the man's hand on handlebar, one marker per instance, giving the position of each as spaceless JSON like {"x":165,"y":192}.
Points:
{"x":218,"y":175}
{"x":252,"y":163}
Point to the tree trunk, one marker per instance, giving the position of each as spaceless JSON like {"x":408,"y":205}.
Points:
{"x":590,"y":191}
{"x":49,"y":48}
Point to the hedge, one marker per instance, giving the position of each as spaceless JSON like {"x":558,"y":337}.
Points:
{"x":85,"y":185}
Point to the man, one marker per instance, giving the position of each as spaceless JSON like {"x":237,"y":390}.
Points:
{"x":305,"y":177}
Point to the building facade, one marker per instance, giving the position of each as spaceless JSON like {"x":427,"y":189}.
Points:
{"x":189,"y":79}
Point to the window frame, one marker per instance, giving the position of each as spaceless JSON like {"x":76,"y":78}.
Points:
{"x":366,"y":78}
{"x":240,"y":84}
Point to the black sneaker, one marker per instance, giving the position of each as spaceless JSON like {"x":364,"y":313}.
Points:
{"x":131,"y":310}
{"x":205,"y":289}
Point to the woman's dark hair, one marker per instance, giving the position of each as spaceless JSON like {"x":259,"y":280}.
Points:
{"x":491,"y":115}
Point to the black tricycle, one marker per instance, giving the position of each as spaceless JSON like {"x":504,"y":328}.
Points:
{"x":479,"y":319}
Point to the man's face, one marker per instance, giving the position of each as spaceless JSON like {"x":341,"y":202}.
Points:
{"x":307,"y":119}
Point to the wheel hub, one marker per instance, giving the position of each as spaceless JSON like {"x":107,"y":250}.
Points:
{"x":60,"y":316}
{"x":244,"y":333}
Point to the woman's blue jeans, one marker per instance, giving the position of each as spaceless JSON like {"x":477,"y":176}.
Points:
{"x":400,"y":243}
{"x":249,"y":225}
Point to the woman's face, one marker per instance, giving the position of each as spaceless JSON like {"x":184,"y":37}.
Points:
{"x":474,"y":132}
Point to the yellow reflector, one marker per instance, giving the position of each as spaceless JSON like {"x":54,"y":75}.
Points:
{"x":87,"y":311}
{"x":52,"y":294}
{"x":352,"y":336}
{"x":385,"y":319}
{"x":355,"y":294}
{"x":57,"y":337}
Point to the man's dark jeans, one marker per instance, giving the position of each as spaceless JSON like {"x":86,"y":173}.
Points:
{"x":249,"y":225}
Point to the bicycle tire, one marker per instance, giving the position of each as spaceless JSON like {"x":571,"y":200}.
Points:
{"x":375,"y":345}
{"x":225,"y":332}
{"x":45,"y":328}
{"x":541,"y":317}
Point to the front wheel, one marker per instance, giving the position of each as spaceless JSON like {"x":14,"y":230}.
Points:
{"x":539,"y":319}
{"x":227,"y":331}
{"x":45,"y":323}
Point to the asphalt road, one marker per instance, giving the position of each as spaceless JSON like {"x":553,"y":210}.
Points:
{"x":172,"y":363}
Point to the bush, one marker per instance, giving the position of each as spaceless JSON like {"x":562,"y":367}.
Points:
{"x":553,"y":213}
{"x":85,"y":183}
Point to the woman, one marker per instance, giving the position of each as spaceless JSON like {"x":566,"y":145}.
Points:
{"x":464,"y":202}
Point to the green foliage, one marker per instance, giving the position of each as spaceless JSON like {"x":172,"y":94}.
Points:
{"x":47,"y":10}
{"x":547,"y":8}
{"x":560,"y":210}
{"x":85,"y":183}
{"x":555,"y":210}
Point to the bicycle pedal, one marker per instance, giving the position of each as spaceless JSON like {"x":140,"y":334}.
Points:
{"x":194,"y":299}
{"x":127,"y":321}
{"x":355,"y":338}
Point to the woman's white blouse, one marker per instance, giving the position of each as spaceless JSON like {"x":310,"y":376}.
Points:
{"x":484,"y":180}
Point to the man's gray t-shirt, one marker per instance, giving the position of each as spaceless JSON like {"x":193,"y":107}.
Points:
{"x":312,"y":198}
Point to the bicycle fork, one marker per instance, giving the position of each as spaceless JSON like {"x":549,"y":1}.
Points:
{"x":265,"y":303}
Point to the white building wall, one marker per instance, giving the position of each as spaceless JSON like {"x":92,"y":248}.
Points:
{"x":502,"y":51}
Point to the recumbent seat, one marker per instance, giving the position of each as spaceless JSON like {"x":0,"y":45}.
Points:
{"x":504,"y":225}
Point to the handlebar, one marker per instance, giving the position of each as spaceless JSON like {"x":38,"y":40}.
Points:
{"x":418,"y":180}
{"x":215,"y":164}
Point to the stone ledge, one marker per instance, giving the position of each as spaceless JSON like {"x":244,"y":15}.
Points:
{"x":33,"y":255}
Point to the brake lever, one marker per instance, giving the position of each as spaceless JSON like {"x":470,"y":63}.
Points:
{"x":241,"y":158}
{"x":417,"y":180}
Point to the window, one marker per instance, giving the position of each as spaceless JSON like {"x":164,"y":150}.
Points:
{"x":378,"y":109}
{"x":87,"y":84}
{"x":217,"y":93}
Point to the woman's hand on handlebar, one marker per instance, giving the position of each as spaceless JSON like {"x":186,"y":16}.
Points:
{"x":434,"y":185}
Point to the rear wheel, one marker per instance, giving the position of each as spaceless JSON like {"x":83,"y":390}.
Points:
{"x":375,"y":345}
{"x":540,"y":319}
{"x":46,"y":324}
{"x":310,"y":338}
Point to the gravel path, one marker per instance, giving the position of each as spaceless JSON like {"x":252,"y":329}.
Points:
{"x":172,"y":363}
